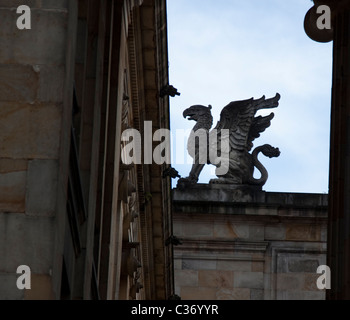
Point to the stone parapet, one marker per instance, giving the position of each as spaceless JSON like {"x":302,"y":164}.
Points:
{"x":245,"y":244}
{"x":247,"y":201}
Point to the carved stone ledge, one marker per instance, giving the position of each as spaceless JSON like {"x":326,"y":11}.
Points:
{"x":220,"y":193}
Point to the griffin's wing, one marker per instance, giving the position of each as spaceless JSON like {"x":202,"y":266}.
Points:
{"x":237,"y":117}
{"x":259,"y":125}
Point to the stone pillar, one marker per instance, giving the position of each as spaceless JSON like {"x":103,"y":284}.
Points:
{"x":338,"y":256}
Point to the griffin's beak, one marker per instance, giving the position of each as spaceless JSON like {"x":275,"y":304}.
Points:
{"x":187,"y":113}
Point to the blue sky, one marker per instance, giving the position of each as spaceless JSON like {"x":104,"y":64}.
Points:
{"x":226,"y":50}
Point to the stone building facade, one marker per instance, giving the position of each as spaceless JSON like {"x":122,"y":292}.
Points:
{"x":87,"y":226}
{"x":248,"y":245}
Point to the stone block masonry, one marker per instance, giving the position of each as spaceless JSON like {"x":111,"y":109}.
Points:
{"x":248,"y":245}
{"x":34,"y":72}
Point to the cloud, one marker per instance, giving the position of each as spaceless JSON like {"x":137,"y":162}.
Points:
{"x":231,"y":50}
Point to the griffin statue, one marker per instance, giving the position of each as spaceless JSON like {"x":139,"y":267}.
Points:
{"x":228,"y":146}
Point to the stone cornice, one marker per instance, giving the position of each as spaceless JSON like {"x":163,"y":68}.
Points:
{"x":222,"y":246}
{"x":205,"y":203}
{"x":231,"y":196}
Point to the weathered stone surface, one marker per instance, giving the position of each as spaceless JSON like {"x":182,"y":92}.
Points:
{"x":217,"y":199}
{"x":8,"y":288}
{"x":186,"y":278}
{"x":41,"y":288}
{"x":262,"y":211}
{"x":18,"y":83}
{"x":228,"y":230}
{"x":26,"y":241}
{"x":149,"y":59}
{"x":296,"y":261}
{"x":13,"y":174}
{"x":256,"y":294}
{"x":50,"y":90}
{"x":223,"y":193}
{"x":196,"y":293}
{"x":298,"y":265}
{"x":189,"y":264}
{"x":251,"y":280}
{"x":147,"y":18}
{"x":289,"y":282}
{"x":233,"y":294}
{"x":11,"y":165}
{"x":216,"y":279}
{"x":29,"y":131}
{"x":324,"y":233}
{"x":310,"y":281}
{"x":178,"y":229}
{"x":298,"y":199}
{"x":275,"y":232}
{"x":258,"y":266}
{"x":256,"y":232}
{"x":300,"y":295}
{"x":148,"y":37}
{"x":178,"y":264}
{"x":35,"y":4}
{"x":217,"y":193}
{"x":41,"y":187}
{"x":198,"y":229}
{"x":43,"y":44}
{"x":234,"y":265}
{"x":314,"y":295}
{"x":303,"y":232}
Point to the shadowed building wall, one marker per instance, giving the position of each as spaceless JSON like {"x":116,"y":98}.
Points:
{"x":248,"y":246}
{"x":87,"y":226}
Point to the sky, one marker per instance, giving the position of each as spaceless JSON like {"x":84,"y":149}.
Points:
{"x":227,"y":50}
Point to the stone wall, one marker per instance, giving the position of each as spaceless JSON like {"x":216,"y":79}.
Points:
{"x":69,"y":210}
{"x":239,"y":245}
{"x":35,"y":98}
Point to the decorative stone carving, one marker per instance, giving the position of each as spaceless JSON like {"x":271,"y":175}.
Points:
{"x":231,"y":140}
{"x":135,"y":288}
{"x":171,"y":172}
{"x":130,"y":264}
{"x":125,"y":109}
{"x":126,"y":187}
{"x":173,"y":240}
{"x":133,"y":208}
{"x":169,"y":90}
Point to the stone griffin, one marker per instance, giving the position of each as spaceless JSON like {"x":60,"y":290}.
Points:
{"x":238,"y":127}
